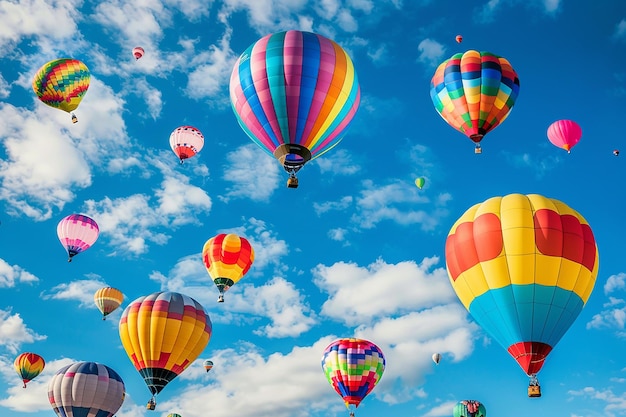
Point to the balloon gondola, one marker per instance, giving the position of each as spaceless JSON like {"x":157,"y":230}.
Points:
{"x":294,"y":93}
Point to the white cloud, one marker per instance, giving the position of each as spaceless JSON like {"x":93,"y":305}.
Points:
{"x":615,"y":403}
{"x":5,"y":88}
{"x":430,"y":52}
{"x":342,"y":204}
{"x":620,"y":30}
{"x":253,"y":174}
{"x":14,"y":332}
{"x":265,"y":16}
{"x":81,"y":291}
{"x":360,"y":294}
{"x":10,"y":275}
{"x":614,"y":283}
{"x":441,"y":410}
{"x":151,"y":96}
{"x":338,"y":234}
{"x":339,"y":162}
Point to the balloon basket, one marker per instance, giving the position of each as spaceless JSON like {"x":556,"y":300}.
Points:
{"x":292,"y":182}
{"x":478,"y":150}
{"x":534,"y":391}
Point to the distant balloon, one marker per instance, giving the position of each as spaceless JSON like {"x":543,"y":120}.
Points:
{"x":28,"y":365}
{"x":459,"y":38}
{"x":436,"y":358}
{"x":474,"y":92}
{"x":419,"y":182}
{"x":227,"y":258}
{"x":353,"y":367}
{"x":564,"y":134}
{"x":469,"y":408}
{"x":208,"y":365}
{"x":77,"y":233}
{"x":523,"y":266}
{"x":294,"y":93}
{"x":86,"y":389}
{"x":108,"y":299}
{"x":186,"y":141}
{"x":62,"y":84}
{"x":174,"y":415}
{"x":138,"y":52}
{"x":162,"y":334}
{"x":616,"y":152}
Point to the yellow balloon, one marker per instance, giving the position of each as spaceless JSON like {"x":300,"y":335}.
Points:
{"x":108,"y":299}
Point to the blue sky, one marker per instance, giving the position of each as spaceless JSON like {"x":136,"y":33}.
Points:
{"x":356,"y":250}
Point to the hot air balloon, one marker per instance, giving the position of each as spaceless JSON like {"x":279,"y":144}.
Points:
{"x":564,"y":134}
{"x":227,"y":258}
{"x":353,"y":367}
{"x":459,"y":38}
{"x":616,"y":152}
{"x":77,"y":233}
{"x":523,"y":266}
{"x":419,"y":182}
{"x":108,"y":299}
{"x":294,"y":93}
{"x":163,"y":333}
{"x":469,"y":408}
{"x":28,"y":365}
{"x":138,"y":52}
{"x":174,"y":415}
{"x":62,"y":84}
{"x":474,"y":92}
{"x":186,"y":141}
{"x":86,"y":389}
{"x":208,"y":365}
{"x":436,"y":358}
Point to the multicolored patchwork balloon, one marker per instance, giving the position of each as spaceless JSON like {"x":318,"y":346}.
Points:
{"x":86,"y":389}
{"x":523,"y":266}
{"x":163,"y":333}
{"x":469,"y":408}
{"x":227,"y":258}
{"x":28,"y":365}
{"x":474,"y":92}
{"x":186,"y":141}
{"x":353,"y":367}
{"x":62,"y":84}
{"x":294,"y":93}
{"x":564,"y":134}
{"x":77,"y":233}
{"x":108,"y":299}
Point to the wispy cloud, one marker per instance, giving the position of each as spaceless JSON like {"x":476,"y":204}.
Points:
{"x":11,"y":275}
{"x":14,"y":332}
{"x":430,"y":52}
{"x":613,"y":314}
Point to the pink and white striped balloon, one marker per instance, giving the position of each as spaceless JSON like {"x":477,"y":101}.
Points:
{"x":77,"y":233}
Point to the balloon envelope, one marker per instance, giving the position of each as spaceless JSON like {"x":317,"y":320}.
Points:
{"x":186,"y":141}
{"x":474,"y":92}
{"x":227,"y":258}
{"x":353,"y":367}
{"x":138,"y":52}
{"x":436,"y":358}
{"x":77,"y":233}
{"x":208,"y":365}
{"x":469,"y":408}
{"x":294,"y":93}
{"x":108,"y":299}
{"x":459,"y":38}
{"x":523,"y":266}
{"x":419,"y":182}
{"x":28,"y":365}
{"x":62,"y":83}
{"x":86,"y":389}
{"x":163,"y":333}
{"x":564,"y":134}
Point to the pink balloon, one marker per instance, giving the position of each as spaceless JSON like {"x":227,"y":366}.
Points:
{"x":564,"y":134}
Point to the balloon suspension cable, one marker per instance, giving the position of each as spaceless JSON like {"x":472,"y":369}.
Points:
{"x":533,"y":380}
{"x":292,"y":157}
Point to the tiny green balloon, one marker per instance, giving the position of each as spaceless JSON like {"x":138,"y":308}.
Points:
{"x":420,"y":182}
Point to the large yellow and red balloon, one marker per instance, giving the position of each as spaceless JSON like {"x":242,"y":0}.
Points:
{"x":163,"y":333}
{"x":227,"y":258}
{"x":28,"y":365}
{"x":294,"y":93}
{"x":524,"y":266}
{"x":62,"y":84}
{"x":474,"y":92}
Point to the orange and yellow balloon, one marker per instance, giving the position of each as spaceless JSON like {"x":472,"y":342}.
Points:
{"x":163,"y":333}
{"x":524,"y":266}
{"x":62,"y":84}
{"x":227,"y":258}
{"x":28,"y":365}
{"x":108,"y":299}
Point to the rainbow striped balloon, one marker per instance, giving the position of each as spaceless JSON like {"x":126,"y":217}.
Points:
{"x":294,"y":93}
{"x":28,"y":365}
{"x":163,"y":333}
{"x":62,"y":83}
{"x":523,"y":266}
{"x":353,"y":367}
{"x":227,"y":258}
{"x":474,"y":92}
